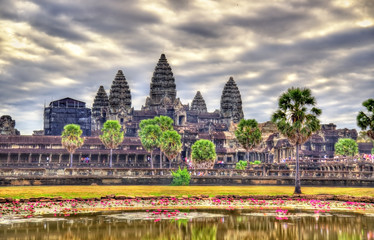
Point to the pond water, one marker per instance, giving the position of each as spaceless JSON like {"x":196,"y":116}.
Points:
{"x":172,"y":224}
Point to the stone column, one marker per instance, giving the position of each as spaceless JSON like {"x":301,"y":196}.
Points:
{"x":40,"y":158}
{"x":117,"y":158}
{"x":8,"y":159}
{"x":29,"y":158}
{"x":19,"y":157}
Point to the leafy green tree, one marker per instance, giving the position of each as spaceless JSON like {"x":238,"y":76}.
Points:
{"x":170,"y":144}
{"x":111,"y":136}
{"x":71,"y":139}
{"x":150,"y":135}
{"x":346,"y":147}
{"x":366,"y":120}
{"x":248,"y":135}
{"x":181,"y":177}
{"x":203,"y":153}
{"x":165,"y":123}
{"x":296,"y":121}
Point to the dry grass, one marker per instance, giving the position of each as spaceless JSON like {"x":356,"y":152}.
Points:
{"x":98,"y":191}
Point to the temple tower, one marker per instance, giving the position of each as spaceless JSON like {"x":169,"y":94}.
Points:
{"x":198,"y":103}
{"x":120,"y":95}
{"x":162,"y":88}
{"x":231,"y":102}
{"x":100,"y":109}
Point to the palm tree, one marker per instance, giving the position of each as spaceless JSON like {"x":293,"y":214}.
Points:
{"x":296,"y":121}
{"x":150,"y":137}
{"x":111,"y":136}
{"x":171,"y":144}
{"x":166,"y":124}
{"x":248,"y":134}
{"x":71,"y":139}
{"x":366,"y":120}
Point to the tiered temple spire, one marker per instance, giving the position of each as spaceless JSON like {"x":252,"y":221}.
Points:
{"x":163,"y":82}
{"x":231,"y":101}
{"x":101,"y":101}
{"x":198,"y":103}
{"x":120,"y":95}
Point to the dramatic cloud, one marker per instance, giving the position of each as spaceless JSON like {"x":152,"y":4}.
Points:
{"x":54,"y":49}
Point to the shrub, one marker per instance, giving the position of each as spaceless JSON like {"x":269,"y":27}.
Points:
{"x":181,"y":177}
{"x":241,"y":165}
{"x":255,"y":162}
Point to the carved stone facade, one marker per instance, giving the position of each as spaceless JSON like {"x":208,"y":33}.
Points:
{"x":162,"y":88}
{"x":7,"y":126}
{"x":231,"y":102}
{"x":198,"y":103}
{"x":100,"y":109}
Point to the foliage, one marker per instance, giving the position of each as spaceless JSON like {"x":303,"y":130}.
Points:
{"x":150,"y":137}
{"x":111,"y":136}
{"x":203,"y":150}
{"x":293,"y":118}
{"x":241,"y":165}
{"x":181,"y":177}
{"x":363,"y":137}
{"x":296,"y":121}
{"x":71,"y":139}
{"x":170,"y":144}
{"x":366,"y":120}
{"x":346,"y":147}
{"x":165,"y":123}
{"x":256,"y":162}
{"x":248,"y":133}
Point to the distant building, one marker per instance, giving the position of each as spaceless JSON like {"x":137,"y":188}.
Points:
{"x":66,"y":111}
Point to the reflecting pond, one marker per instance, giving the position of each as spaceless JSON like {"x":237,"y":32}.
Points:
{"x":173,"y":224}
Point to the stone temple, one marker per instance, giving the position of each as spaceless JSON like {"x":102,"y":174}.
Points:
{"x":193,"y":121}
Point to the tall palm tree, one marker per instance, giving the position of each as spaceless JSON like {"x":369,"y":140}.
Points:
{"x":171,"y":144}
{"x":71,"y":139}
{"x":111,"y":136}
{"x":366,"y":120}
{"x":166,"y":124}
{"x":296,"y":121}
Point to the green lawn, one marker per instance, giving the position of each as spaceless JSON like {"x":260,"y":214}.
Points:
{"x":98,"y":191}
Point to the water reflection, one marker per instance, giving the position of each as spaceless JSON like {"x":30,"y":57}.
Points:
{"x":226,"y":225}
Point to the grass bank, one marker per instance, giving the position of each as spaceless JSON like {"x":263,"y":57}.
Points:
{"x":99,"y":191}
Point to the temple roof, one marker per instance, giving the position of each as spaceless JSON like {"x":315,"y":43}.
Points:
{"x":101,"y":101}
{"x":198,"y":103}
{"x":231,"y":101}
{"x":163,"y":82}
{"x":120,"y":95}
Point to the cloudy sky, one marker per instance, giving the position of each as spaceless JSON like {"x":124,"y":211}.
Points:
{"x":56,"y":49}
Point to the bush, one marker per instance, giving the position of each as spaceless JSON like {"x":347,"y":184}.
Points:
{"x":255,"y":162}
{"x":241,"y":165}
{"x":181,"y":177}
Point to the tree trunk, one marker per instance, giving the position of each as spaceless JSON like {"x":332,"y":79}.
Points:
{"x":297,"y":177}
{"x":247,"y":155}
{"x":170,"y":163}
{"x":160,"y":158}
{"x":111,"y":157}
{"x":151,"y":159}
{"x":71,"y":160}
